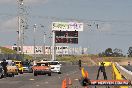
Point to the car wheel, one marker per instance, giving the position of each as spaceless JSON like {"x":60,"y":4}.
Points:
{"x":13,"y":75}
{"x":59,"y":72}
{"x":31,"y":71}
{"x":49,"y":74}
{"x":35,"y":74}
{"x":1,"y":76}
{"x":21,"y":72}
{"x":16,"y":73}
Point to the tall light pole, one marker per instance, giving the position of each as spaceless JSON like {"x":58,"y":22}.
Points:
{"x":22,"y":25}
{"x":19,"y":35}
{"x":44,"y":44}
{"x":50,"y":37}
{"x":62,"y":50}
{"x":53,"y":46}
{"x":44,"y":38}
{"x":34,"y":30}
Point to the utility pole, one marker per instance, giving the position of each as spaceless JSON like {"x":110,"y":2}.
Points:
{"x":22,"y":25}
{"x":53,"y":46}
{"x":62,"y":50}
{"x":34,"y":30}
{"x":82,"y":50}
{"x":50,"y":37}
{"x":19,"y":35}
{"x":44,"y":44}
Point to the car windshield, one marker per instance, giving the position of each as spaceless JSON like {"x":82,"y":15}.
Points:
{"x":18,"y":62}
{"x":25,"y":63}
{"x":11,"y":64}
{"x":53,"y":63}
{"x":42,"y":64}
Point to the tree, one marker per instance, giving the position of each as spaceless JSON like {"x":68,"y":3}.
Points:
{"x":117,"y":52}
{"x":130,"y":52}
{"x":102,"y":54}
{"x":108,"y":52}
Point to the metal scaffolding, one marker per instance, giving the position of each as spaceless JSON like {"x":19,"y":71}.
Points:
{"x":22,"y":25}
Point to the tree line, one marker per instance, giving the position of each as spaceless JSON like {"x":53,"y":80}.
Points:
{"x":109,"y":52}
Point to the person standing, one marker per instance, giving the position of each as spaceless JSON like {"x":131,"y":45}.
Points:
{"x":102,"y":69}
{"x":79,"y":64}
{"x":4,"y":65}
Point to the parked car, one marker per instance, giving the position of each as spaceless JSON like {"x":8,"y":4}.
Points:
{"x":1,"y":71}
{"x":12,"y":69}
{"x":27,"y":67}
{"x":42,"y":68}
{"x":55,"y":66}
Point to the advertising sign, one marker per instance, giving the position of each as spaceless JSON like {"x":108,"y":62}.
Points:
{"x":67,"y":26}
{"x":28,"y":49}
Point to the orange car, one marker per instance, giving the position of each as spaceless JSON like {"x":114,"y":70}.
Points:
{"x":42,"y":68}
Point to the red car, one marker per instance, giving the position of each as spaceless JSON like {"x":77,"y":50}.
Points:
{"x":42,"y":68}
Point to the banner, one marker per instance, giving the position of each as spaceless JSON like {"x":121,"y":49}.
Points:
{"x":67,"y":26}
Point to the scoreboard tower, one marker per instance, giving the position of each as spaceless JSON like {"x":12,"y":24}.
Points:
{"x":66,"y":33}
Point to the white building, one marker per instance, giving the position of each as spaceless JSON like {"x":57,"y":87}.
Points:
{"x":77,"y":51}
{"x":59,"y":49}
{"x":40,"y":50}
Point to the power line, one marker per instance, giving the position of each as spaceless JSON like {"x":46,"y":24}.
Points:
{"x":69,"y":19}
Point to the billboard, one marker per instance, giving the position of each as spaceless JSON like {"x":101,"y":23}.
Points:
{"x":28,"y":49}
{"x":67,"y":26}
{"x":39,"y":49}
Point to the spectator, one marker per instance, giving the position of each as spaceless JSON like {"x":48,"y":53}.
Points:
{"x":128,"y":63}
{"x":4,"y":65}
{"x":79,"y":64}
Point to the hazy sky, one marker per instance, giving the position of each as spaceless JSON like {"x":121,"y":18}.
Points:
{"x":114,"y":18}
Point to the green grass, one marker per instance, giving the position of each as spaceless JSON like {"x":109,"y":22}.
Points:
{"x":85,"y":58}
{"x":67,"y":58}
{"x":72,"y":58}
{"x":5,"y":50}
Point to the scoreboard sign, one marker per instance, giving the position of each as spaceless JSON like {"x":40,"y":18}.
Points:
{"x":66,"y":33}
{"x":67,"y":26}
{"x":70,"y":37}
{"x":67,"y":40}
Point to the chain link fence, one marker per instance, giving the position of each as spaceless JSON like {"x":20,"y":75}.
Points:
{"x":11,"y":56}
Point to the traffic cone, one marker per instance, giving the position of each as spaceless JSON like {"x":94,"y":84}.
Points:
{"x":69,"y":81}
{"x":86,"y":74}
{"x":64,"y":84}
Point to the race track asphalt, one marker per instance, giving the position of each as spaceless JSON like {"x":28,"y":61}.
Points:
{"x":28,"y":80}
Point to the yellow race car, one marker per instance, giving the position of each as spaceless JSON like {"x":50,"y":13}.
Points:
{"x":19,"y":65}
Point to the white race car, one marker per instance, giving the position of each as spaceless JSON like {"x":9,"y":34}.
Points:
{"x":55,"y":66}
